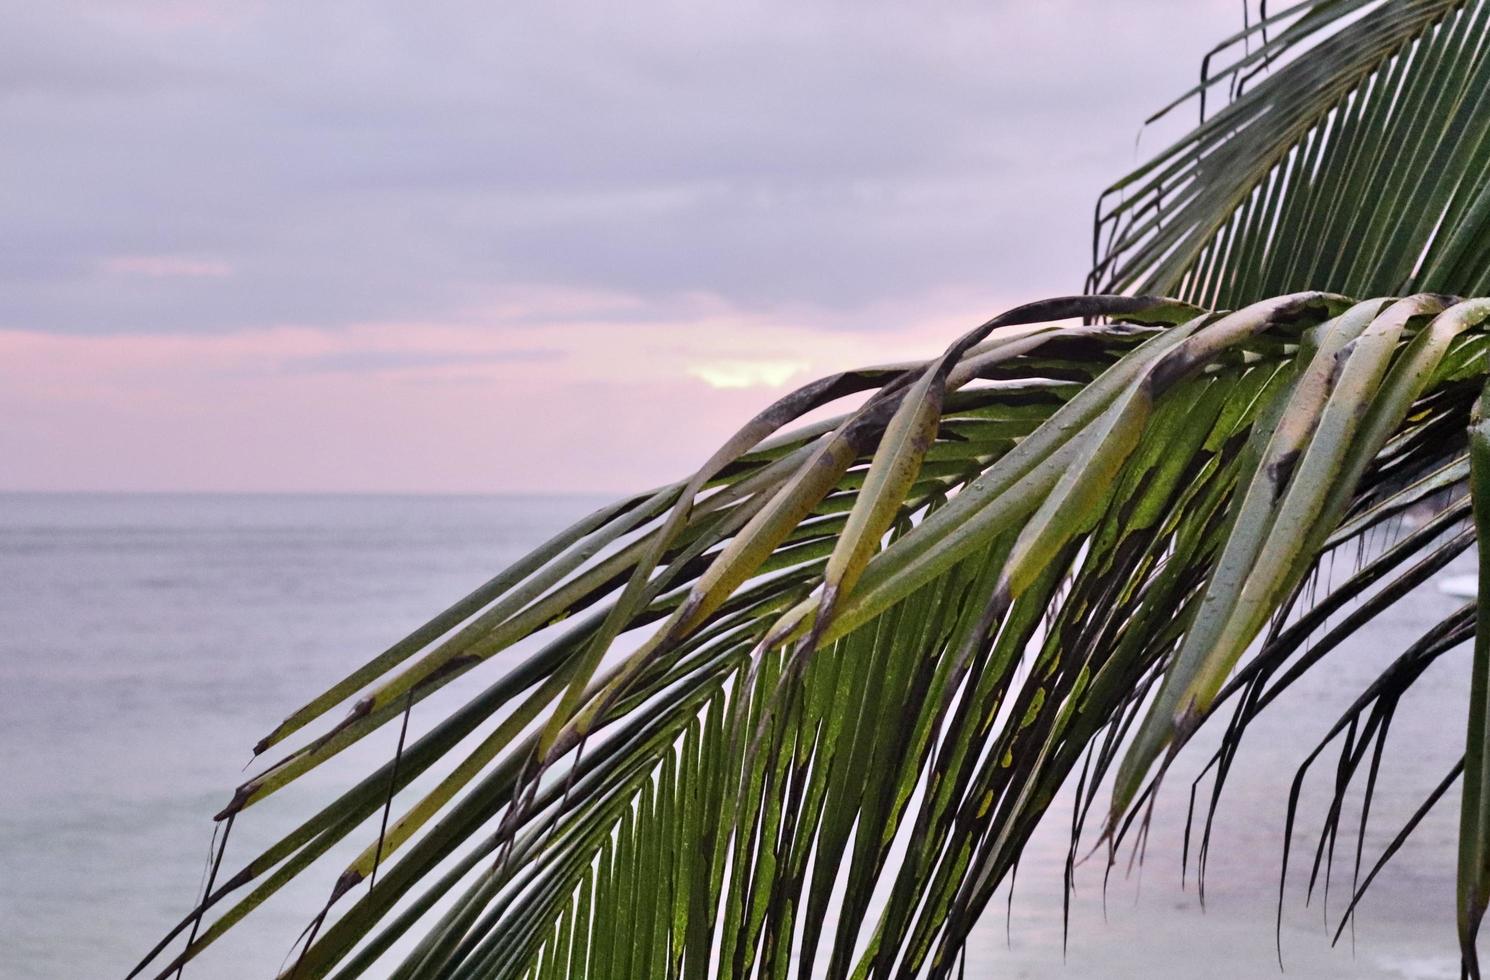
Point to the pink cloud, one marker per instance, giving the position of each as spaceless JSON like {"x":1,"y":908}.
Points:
{"x":167,"y":266}
{"x":584,"y":401}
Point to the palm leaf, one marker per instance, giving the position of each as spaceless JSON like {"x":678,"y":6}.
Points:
{"x":802,"y":710}
{"x":1356,"y":158}
{"x":865,"y":653}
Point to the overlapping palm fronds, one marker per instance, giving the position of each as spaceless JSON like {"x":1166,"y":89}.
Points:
{"x":870,"y":649}
{"x":798,"y":714}
{"x":1352,"y":153}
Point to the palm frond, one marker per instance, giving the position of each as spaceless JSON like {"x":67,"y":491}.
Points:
{"x":802,"y":711}
{"x":1353,"y":156}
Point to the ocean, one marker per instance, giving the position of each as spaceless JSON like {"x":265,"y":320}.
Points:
{"x":147,"y":641}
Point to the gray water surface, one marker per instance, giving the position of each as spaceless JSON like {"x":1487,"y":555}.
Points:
{"x":147,"y":641}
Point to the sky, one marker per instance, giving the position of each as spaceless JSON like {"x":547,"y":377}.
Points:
{"x":524,"y":247}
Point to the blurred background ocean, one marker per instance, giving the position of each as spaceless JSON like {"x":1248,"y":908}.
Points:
{"x":147,"y":641}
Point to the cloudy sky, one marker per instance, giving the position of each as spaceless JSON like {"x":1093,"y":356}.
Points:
{"x":448,"y":246}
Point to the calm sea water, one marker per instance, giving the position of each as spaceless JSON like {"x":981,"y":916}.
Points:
{"x":147,"y":641}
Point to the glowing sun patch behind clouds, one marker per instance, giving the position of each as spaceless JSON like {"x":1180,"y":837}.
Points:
{"x":746,"y":374}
